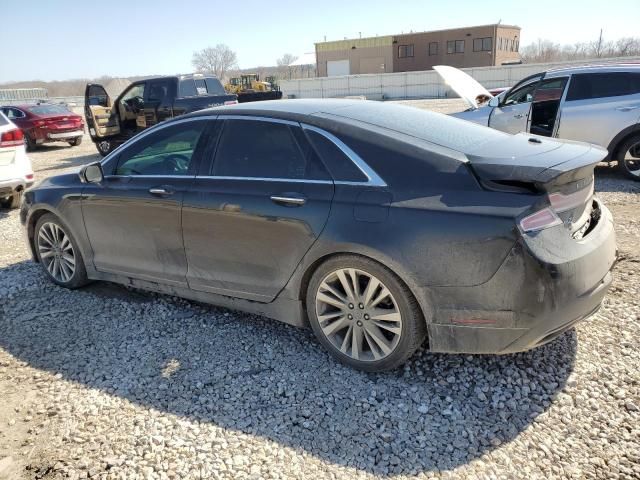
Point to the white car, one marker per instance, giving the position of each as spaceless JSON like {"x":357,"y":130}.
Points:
{"x":16,"y":173}
{"x":598,"y":104}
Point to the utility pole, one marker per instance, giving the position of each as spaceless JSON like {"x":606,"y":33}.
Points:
{"x":599,"y":49}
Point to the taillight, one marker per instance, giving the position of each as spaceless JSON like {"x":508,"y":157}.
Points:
{"x":559,"y":202}
{"x":12,"y":138}
{"x":231,"y":102}
{"x":540,"y":220}
{"x":562,"y":203}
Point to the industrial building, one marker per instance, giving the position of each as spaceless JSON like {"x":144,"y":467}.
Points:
{"x":479,"y":46}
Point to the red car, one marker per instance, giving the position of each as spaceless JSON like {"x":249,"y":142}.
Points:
{"x":44,"y":123}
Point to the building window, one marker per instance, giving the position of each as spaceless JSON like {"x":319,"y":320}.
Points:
{"x":433,"y":48}
{"x":455,"y":46}
{"x":405,"y":51}
{"x":482,"y":44}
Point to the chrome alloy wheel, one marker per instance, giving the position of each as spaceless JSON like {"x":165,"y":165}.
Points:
{"x":358,"y":314}
{"x":56,"y":252}
{"x":632,"y":159}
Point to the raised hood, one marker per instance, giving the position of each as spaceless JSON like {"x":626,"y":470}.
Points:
{"x":463,"y":84}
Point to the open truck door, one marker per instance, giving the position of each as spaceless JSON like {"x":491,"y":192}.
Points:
{"x":102,"y":118}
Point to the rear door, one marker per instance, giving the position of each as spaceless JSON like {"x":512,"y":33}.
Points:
{"x":102,"y":119}
{"x":598,"y":106}
{"x":512,"y":115}
{"x":133,"y":218}
{"x":158,"y":101}
{"x":255,"y":211}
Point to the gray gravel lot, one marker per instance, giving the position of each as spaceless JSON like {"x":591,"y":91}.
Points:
{"x":112,"y":383}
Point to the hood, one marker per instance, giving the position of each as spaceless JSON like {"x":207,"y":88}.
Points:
{"x":463,"y":84}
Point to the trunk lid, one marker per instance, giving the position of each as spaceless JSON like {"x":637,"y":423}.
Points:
{"x":463,"y":84}
{"x":563,"y":170}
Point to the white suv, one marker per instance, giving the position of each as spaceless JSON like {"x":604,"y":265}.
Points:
{"x":597,"y":104}
{"x":16,"y":173}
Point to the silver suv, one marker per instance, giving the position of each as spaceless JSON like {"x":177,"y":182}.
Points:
{"x":597,"y":104}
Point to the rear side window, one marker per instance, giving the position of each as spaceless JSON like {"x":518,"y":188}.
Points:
{"x":187,"y":88}
{"x":600,"y":85}
{"x":214,"y":87}
{"x":263,"y":149}
{"x":3,"y":119}
{"x":341,"y":166}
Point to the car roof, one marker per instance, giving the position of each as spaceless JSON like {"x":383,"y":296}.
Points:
{"x":595,"y":68}
{"x":400,"y":121}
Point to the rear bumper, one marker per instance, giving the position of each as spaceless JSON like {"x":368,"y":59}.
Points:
{"x":544,"y":287}
{"x":7,"y":187}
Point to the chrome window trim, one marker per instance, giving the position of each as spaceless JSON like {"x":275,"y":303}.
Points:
{"x":267,"y":179}
{"x":374,"y":179}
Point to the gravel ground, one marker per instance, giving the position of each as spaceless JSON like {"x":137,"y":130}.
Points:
{"x":112,"y":383}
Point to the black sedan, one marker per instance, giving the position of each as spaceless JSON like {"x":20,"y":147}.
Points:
{"x":380,"y":226}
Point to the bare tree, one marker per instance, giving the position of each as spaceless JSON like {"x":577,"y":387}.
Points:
{"x":284,"y":63}
{"x":547,"y":51}
{"x":218,"y":60}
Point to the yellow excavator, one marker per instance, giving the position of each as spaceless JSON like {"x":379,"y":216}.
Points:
{"x":249,"y":88}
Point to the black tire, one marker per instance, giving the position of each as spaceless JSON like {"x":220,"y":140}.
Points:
{"x":75,"y":142}
{"x":105,"y":147}
{"x":29,"y":143}
{"x":79,"y":277}
{"x":413,"y":327}
{"x":630,"y":170}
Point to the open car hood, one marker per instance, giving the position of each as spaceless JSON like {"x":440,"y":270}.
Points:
{"x":463,"y":84}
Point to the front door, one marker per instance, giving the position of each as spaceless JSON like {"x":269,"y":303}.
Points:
{"x":512,"y":115}
{"x":133,"y":218}
{"x":131,"y":109}
{"x":102,"y":119}
{"x":250,"y":218}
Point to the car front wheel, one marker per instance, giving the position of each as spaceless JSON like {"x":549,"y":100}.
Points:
{"x":58,"y":253}
{"x":75,"y":142}
{"x":105,"y":147}
{"x":364,"y":314}
{"x":629,"y":158}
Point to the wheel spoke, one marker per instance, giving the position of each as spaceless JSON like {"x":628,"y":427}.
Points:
{"x":386,"y":315}
{"x":323,"y":297}
{"x":395,"y":329}
{"x":347,"y":339}
{"x":45,"y":252}
{"x":356,"y":342}
{"x":346,"y":286}
{"x":44,"y":235}
{"x":338,"y":324}
{"x":384,"y":293}
{"x":378,"y":337}
{"x":371,"y":289}
{"x":328,"y":288}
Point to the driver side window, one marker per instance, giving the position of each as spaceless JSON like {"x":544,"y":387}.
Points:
{"x":169,"y":151}
{"x":523,"y":94}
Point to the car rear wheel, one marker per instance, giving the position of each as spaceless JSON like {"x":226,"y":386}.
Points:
{"x":75,"y":142}
{"x":12,"y":201}
{"x":104,"y":147}
{"x":629,"y":158}
{"x":364,"y":314}
{"x":58,"y":253}
{"x":29,"y":143}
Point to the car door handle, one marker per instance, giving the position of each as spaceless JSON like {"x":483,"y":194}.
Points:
{"x":293,"y":200}
{"x":160,"y":191}
{"x":518,"y":115}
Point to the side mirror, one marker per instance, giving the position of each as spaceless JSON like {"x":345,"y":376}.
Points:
{"x":92,"y":173}
{"x":494,"y":102}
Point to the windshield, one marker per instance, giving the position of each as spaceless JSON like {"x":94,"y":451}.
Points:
{"x":49,"y":110}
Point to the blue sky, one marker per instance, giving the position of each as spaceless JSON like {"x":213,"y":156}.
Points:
{"x":57,"y":40}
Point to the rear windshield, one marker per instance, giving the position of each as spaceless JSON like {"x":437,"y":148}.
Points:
{"x":190,"y":87}
{"x":48,"y":109}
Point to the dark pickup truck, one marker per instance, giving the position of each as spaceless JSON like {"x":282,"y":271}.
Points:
{"x":146,"y":103}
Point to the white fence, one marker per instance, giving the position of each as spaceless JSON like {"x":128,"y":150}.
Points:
{"x":426,"y":84}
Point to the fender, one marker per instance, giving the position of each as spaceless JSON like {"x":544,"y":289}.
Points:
{"x":618,"y":139}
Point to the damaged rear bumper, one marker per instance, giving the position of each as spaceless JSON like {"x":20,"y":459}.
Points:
{"x":547,"y":284}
